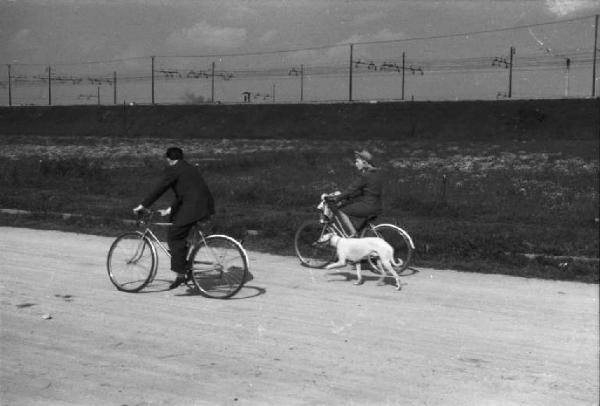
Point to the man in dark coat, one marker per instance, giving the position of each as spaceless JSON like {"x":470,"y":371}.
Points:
{"x":193,"y":202}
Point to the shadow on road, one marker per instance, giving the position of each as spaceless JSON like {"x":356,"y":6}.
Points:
{"x":162,"y":285}
{"x":409,"y":271}
{"x":370,"y":276}
{"x":247,"y":291}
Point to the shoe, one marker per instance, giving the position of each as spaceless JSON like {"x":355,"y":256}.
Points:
{"x":181,"y":278}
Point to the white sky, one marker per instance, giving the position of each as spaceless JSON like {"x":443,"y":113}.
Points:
{"x":74,"y":31}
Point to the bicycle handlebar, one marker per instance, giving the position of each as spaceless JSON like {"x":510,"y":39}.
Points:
{"x":145,"y":217}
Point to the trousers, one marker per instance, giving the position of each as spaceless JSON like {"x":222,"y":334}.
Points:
{"x":176,"y":240}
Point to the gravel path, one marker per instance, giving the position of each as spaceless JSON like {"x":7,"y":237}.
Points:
{"x":293,"y":336}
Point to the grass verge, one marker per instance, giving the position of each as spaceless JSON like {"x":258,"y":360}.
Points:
{"x":468,"y":206}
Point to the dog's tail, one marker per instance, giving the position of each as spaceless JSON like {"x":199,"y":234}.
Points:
{"x":397,"y":264}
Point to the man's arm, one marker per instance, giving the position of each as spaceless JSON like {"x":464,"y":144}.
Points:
{"x":169,"y":177}
{"x":355,"y":189}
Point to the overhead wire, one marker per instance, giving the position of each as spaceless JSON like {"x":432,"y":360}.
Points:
{"x":317,"y":48}
{"x":383,"y":66}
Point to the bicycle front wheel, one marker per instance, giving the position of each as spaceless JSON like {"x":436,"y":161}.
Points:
{"x":131,"y":262}
{"x":219,"y":267}
{"x":400,"y":241}
{"x":309,"y":251}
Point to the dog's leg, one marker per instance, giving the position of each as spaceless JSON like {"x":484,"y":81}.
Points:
{"x":340,"y":263}
{"x":359,"y":278}
{"x":390,"y":265}
{"x":380,"y":281}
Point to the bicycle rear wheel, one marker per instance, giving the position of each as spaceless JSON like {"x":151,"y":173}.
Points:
{"x":132,"y":262}
{"x":219,"y":267}
{"x":400,"y":241}
{"x":309,"y":251}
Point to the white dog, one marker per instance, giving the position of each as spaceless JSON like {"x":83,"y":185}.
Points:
{"x":356,"y":249}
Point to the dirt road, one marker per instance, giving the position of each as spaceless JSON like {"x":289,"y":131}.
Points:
{"x":291,"y":337}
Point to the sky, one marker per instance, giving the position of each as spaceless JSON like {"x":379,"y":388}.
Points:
{"x":93,"y":38}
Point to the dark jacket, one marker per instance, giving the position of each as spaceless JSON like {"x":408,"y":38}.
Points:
{"x":364,"y":195}
{"x":193,"y":200}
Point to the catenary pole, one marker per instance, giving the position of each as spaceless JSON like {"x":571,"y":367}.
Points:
{"x":568,"y":66}
{"x":152,"y":79}
{"x":594,"y":63}
{"x":510,"y":72}
{"x":350,"y":75}
{"x":9,"y":87}
{"x":212,"y":83}
{"x":403,"y":67}
{"x":49,"y":85}
{"x":302,"y":82}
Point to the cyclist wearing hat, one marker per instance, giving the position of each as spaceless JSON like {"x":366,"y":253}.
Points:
{"x":362,"y":199}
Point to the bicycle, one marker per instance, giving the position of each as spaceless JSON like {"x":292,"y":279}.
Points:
{"x":313,"y":254}
{"x":217,"y":264}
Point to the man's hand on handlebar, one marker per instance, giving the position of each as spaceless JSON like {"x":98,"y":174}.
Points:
{"x":141,"y":210}
{"x":333,"y":197}
{"x":165,"y":212}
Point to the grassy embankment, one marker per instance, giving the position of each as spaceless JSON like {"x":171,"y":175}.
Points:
{"x":468,"y":206}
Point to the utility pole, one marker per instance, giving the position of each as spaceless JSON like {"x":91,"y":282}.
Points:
{"x":114,"y":87}
{"x":594,"y":64}
{"x":98,"y":95}
{"x":510,"y":66}
{"x":152,"y":80}
{"x":9,"y":87}
{"x":403,"y":67}
{"x":350,"y":75}
{"x":568,"y":62}
{"x":273,"y":92}
{"x":49,"y":85}
{"x":296,"y":72}
{"x":212,"y":83}
{"x":507,"y":64}
{"x":302,"y":82}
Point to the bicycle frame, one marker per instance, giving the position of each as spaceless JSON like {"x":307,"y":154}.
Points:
{"x":197,"y":240}
{"x":335,"y":224}
{"x":330,"y":215}
{"x":146,"y":221}
{"x":148,"y":233}
{"x":338,"y":227}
